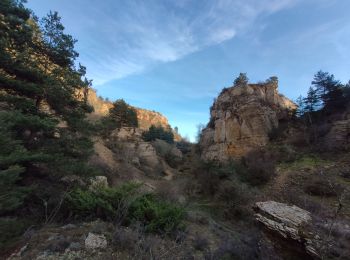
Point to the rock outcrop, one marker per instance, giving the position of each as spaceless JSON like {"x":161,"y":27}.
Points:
{"x":131,"y":148}
{"x":289,"y":223}
{"x":241,"y":119}
{"x":338,"y":136}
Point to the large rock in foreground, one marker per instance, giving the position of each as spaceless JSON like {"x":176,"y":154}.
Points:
{"x":241,"y":119}
{"x":289,"y":223}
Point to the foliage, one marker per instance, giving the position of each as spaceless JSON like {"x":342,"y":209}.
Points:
{"x":311,"y":101}
{"x":200,"y":128}
{"x":260,"y":166}
{"x":319,"y":186}
{"x":241,"y":80}
{"x":184,"y":146}
{"x":304,"y":161}
{"x":11,"y":197}
{"x":329,"y":90}
{"x":120,"y":115}
{"x":123,"y":114}
{"x":41,"y":91}
{"x":272,"y":79}
{"x":10,"y":230}
{"x":158,"y":132}
{"x":326,"y":94}
{"x":236,"y":197}
{"x":156,"y":215}
{"x":102,"y":202}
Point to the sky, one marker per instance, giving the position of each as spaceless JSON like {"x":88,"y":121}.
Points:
{"x":175,"y":56}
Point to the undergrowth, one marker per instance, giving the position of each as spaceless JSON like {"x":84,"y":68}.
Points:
{"x":304,"y":161}
{"x":126,"y":205}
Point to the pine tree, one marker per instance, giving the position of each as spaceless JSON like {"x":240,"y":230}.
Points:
{"x":36,"y":70}
{"x":123,"y":114}
{"x":301,"y":106}
{"x":241,"y":80}
{"x":273,"y":79}
{"x":329,"y":91}
{"x":311,"y":101}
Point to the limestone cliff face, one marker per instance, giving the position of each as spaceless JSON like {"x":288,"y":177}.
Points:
{"x":338,"y":136}
{"x":241,"y":119}
{"x":145,"y":117}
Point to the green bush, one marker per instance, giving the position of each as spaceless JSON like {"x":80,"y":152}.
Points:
{"x":158,"y":216}
{"x":126,"y":205}
{"x":158,"y":132}
{"x":10,"y":230}
{"x":106,"y":203}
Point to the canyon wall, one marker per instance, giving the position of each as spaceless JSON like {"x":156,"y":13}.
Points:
{"x":145,"y":117}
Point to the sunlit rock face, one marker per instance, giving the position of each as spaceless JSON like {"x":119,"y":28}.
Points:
{"x":241,"y":119}
{"x":145,"y":117}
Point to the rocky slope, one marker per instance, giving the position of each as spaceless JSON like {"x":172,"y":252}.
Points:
{"x":241,"y":119}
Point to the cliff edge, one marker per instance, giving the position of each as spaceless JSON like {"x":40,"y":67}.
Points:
{"x":145,"y":117}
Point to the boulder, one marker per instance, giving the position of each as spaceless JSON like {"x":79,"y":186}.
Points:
{"x":94,"y":241}
{"x":97,"y":182}
{"x":288,"y":222}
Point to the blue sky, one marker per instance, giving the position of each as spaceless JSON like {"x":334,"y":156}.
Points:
{"x":174,"y":56}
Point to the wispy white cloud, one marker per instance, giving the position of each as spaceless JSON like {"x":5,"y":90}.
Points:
{"x":127,"y":37}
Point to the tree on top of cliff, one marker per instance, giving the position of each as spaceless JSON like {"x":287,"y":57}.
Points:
{"x":273,"y":79}
{"x":123,"y":114}
{"x":241,"y":80}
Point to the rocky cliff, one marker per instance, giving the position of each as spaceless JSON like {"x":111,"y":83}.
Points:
{"x":241,"y":119}
{"x":145,"y":117}
{"x":338,"y":136}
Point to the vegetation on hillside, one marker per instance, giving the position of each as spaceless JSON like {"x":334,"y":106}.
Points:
{"x":158,"y":132}
{"x":126,"y":205}
{"x":43,"y":132}
{"x":327,"y":95}
{"x":45,"y":140}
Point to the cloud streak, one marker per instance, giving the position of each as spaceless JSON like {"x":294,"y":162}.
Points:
{"x":131,"y":36}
